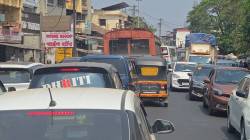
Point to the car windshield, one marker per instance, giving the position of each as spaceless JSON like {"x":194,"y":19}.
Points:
{"x":229,"y":76}
{"x":117,"y":63}
{"x":184,"y":67}
{"x":199,"y":59}
{"x":63,"y":125}
{"x":9,"y":75}
{"x":63,"y":79}
{"x":202,"y":72}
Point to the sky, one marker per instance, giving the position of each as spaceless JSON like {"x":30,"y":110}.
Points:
{"x":173,"y":12}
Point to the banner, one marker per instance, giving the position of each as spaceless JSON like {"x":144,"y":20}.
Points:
{"x":58,"y":39}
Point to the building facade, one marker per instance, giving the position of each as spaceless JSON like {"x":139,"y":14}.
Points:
{"x":109,"y":20}
{"x":180,"y":36}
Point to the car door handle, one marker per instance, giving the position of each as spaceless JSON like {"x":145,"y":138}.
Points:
{"x":237,"y":99}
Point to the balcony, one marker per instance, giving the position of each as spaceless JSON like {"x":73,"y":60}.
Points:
{"x":11,"y":3}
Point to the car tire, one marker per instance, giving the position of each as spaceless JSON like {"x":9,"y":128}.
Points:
{"x":210,"y":109}
{"x":230,"y":128}
{"x":191,"y":97}
{"x":242,"y":131}
{"x":171,"y":87}
{"x":204,"y":104}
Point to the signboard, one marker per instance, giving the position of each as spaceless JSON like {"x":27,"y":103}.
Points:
{"x":62,"y":53}
{"x":58,"y":39}
{"x":200,"y":49}
{"x":10,"y":35}
{"x":30,"y":22}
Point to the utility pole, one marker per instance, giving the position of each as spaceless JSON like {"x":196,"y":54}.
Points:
{"x":160,"y":25}
{"x":75,"y":54}
{"x":133,"y":10}
{"x":138,"y":18}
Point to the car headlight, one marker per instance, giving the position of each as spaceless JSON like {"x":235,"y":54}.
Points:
{"x":217,"y":92}
{"x":176,"y":76}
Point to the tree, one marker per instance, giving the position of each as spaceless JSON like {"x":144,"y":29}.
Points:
{"x":142,"y":24}
{"x":226,"y":19}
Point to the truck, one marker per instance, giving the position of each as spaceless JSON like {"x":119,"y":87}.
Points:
{"x":201,"y":48}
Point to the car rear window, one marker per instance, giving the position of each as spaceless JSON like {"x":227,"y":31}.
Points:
{"x":63,"y":125}
{"x":71,"y":77}
{"x":117,"y":63}
{"x":11,"y":75}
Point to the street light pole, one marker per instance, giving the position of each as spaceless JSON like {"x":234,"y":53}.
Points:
{"x":75,"y":54}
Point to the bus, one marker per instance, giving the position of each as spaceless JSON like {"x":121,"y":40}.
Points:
{"x":131,"y":42}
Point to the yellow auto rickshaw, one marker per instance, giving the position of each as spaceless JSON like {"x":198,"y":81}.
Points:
{"x":151,"y":81}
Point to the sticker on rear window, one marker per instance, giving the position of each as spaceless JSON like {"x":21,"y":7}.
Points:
{"x":73,"y":82}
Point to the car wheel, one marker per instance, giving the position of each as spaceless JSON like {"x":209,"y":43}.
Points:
{"x":230,"y":128}
{"x":243,"y":131}
{"x":204,"y":102}
{"x":171,"y":87}
{"x":191,"y":97}
{"x":210,"y":109}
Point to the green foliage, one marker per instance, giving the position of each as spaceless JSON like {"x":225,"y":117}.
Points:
{"x":229,"y":20}
{"x":142,"y":24}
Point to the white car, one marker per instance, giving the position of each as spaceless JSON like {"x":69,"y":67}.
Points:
{"x":76,"y":113}
{"x":179,"y":76}
{"x":17,"y":75}
{"x":239,"y":109}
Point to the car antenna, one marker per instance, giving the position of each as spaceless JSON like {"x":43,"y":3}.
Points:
{"x":52,"y":102}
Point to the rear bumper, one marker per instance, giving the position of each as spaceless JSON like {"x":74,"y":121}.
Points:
{"x":162,"y":96}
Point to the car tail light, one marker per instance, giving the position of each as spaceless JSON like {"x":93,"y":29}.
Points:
{"x":69,"y":69}
{"x":51,"y":113}
{"x":163,"y":86}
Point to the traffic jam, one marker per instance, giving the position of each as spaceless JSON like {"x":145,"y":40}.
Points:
{"x":104,"y":96}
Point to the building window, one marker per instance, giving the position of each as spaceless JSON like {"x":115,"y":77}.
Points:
{"x":50,"y":2}
{"x":102,"y":22}
{"x":60,"y":3}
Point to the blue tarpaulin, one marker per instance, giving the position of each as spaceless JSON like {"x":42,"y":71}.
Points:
{"x":200,"y":38}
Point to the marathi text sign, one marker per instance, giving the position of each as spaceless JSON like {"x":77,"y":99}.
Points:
{"x":58,"y":39}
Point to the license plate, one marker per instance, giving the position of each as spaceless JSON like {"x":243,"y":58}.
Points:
{"x":185,"y":84}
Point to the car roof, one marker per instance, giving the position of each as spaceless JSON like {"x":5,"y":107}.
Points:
{"x":24,"y":65}
{"x":104,"y":56}
{"x":225,"y":61}
{"x":68,"y":98}
{"x":71,"y":59}
{"x":107,"y":67}
{"x":150,"y":60}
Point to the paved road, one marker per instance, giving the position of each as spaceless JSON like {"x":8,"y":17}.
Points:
{"x":190,"y":119}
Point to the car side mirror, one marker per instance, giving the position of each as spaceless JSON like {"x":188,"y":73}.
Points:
{"x":162,"y":127}
{"x":206,"y":80}
{"x":170,"y":70}
{"x":11,"y":89}
{"x":241,"y":94}
{"x":190,"y":74}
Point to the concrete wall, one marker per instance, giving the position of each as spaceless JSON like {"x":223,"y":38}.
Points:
{"x":112,"y":18}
